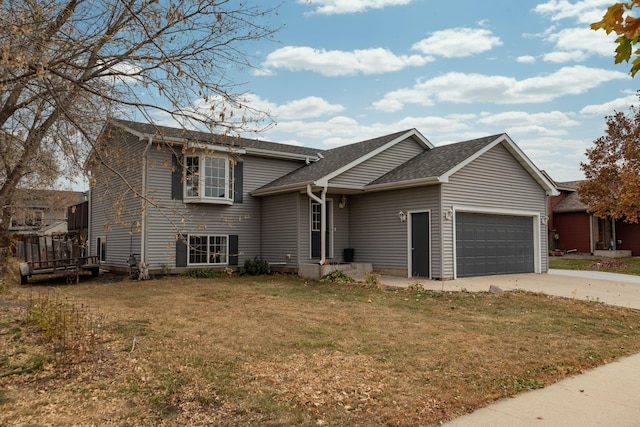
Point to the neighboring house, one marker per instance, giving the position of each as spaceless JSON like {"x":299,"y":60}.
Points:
{"x":578,"y":230}
{"x":194,"y":199}
{"x":42,"y":211}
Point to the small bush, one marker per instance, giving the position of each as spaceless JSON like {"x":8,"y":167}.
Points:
{"x":336,"y":276}
{"x":202,"y":273}
{"x":416,"y":288}
{"x":70,"y":326}
{"x":255,"y":267}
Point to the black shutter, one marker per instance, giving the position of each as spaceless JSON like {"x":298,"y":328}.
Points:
{"x":181,"y":252}
{"x":177,"y":188}
{"x":233,"y":249}
{"x":237,"y":184}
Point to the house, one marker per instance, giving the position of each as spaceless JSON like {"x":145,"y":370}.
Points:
{"x":42,"y":211}
{"x":572,"y":227}
{"x":190,"y":199}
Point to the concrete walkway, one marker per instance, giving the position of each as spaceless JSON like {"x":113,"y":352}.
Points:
{"x":605,"y":396}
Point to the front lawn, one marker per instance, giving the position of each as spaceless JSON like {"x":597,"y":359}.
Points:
{"x":277,"y":350}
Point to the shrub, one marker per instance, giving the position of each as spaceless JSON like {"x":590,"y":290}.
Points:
{"x":70,"y":326}
{"x":336,"y":276}
{"x":255,"y":267}
{"x":203,"y":273}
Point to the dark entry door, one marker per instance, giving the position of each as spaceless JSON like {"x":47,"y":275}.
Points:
{"x":420,"y":244}
{"x":315,"y":230}
{"x":493,"y":244}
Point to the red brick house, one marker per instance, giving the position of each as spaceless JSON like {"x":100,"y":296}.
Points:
{"x":572,"y":228}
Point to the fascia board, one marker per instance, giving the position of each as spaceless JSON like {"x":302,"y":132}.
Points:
{"x":213,"y":147}
{"x":282,"y":189}
{"x":406,"y":184}
{"x":281,"y":154}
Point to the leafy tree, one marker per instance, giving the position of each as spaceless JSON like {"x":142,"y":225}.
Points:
{"x":612,"y":187}
{"x":66,"y":66}
{"x":617,"y":19}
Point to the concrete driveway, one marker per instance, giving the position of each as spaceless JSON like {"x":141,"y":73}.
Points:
{"x":615,"y":289}
{"x":605,"y":396}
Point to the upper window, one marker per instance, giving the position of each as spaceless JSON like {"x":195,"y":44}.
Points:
{"x":208,"y":179}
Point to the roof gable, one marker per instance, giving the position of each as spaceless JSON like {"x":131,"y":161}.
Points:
{"x":338,"y":160}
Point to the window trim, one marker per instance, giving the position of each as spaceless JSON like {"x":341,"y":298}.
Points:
{"x":229,"y":185}
{"x":208,"y":245}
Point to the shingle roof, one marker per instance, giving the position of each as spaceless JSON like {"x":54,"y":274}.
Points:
{"x":435,"y":162}
{"x":571,"y":203}
{"x":333,"y":160}
{"x":210,"y":138}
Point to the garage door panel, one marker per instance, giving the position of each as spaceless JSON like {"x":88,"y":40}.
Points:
{"x":493,"y":244}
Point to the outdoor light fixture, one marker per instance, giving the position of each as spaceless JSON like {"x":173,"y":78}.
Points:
{"x":343,"y":202}
{"x":402,"y":216}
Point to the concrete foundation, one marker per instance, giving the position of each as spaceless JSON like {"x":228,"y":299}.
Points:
{"x":357,"y":270}
{"x":612,"y":254}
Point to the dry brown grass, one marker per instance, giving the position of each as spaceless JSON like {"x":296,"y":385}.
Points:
{"x":281,"y":351}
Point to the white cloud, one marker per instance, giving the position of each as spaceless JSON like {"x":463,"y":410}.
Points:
{"x":578,"y":43}
{"x":335,"y":7}
{"x":535,"y":130}
{"x":458,"y":42}
{"x":558,"y":57}
{"x":523,"y":118}
{"x":526,"y":59}
{"x":458,"y":87}
{"x":585,"y":11}
{"x":608,"y":108}
{"x":339,"y":63}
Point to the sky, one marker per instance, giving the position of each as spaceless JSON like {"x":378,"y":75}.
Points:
{"x":342,"y":71}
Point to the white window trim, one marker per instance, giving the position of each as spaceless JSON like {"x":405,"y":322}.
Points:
{"x":208,"y":236}
{"x":201,"y":198}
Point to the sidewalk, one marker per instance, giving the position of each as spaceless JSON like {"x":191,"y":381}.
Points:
{"x":605,"y":396}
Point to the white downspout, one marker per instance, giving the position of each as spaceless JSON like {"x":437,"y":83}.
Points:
{"x":323,"y":220}
{"x":143,"y":216}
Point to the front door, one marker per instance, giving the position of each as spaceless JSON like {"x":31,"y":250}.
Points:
{"x":315,"y":229}
{"x":420,"y":244}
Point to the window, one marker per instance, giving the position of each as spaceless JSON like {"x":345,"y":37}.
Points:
{"x":101,"y":248}
{"x":208,"y":179}
{"x":208,"y":250}
{"x":315,"y":216}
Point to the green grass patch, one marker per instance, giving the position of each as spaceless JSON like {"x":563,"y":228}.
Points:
{"x":617,"y":265}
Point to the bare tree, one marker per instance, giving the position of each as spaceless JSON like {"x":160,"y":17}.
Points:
{"x":67,"y":66}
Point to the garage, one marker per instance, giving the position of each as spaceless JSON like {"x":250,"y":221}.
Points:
{"x":489,"y":244}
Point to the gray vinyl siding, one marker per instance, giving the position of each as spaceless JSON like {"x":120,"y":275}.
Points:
{"x":378,"y":165}
{"x":169,"y":217}
{"x":280,"y":229}
{"x":115,"y":212}
{"x":377,"y":234}
{"x":341,"y":231}
{"x":496,"y":180}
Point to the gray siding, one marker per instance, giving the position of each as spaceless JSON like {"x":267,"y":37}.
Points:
{"x":493,"y":181}
{"x":280,"y":229}
{"x":378,"y":236}
{"x":115,"y":211}
{"x":378,"y":165}
{"x":167,"y":217}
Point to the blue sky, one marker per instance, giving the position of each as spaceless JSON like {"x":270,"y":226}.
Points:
{"x":343,"y":71}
